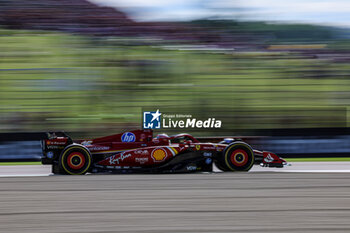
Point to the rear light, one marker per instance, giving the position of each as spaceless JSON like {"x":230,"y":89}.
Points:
{"x":49,"y":154}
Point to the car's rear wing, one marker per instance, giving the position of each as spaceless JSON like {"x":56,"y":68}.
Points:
{"x":53,"y":145}
{"x":53,"y":136}
{"x":56,"y":134}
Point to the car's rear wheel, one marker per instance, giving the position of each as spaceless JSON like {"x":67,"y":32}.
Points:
{"x":55,"y":169}
{"x":75,"y":160}
{"x":238,"y":156}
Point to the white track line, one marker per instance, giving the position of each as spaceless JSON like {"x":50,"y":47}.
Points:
{"x":24,"y":175}
{"x":314,"y":171}
{"x":297,"y":167}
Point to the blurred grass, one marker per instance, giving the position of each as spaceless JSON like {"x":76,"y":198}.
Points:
{"x":57,"y":81}
{"x":19,"y":163}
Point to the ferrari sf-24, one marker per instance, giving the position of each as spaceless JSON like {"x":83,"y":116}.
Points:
{"x":139,"y":152}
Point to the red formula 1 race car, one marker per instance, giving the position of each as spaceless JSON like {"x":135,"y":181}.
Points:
{"x":138,"y":152}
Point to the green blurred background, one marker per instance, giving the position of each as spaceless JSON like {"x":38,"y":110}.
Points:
{"x":287,"y":76}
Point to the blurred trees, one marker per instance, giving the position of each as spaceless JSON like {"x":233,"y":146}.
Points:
{"x":98,"y":85}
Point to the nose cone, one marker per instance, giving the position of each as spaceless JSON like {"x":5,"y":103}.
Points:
{"x":272,"y":160}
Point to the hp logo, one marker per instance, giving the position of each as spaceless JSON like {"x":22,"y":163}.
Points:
{"x":128,"y":137}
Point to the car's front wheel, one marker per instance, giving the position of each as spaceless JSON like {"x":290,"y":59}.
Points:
{"x":222,"y":166}
{"x":238,"y":156}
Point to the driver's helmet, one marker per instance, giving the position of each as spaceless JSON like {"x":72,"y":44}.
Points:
{"x":227,"y":141}
{"x":163,"y":137}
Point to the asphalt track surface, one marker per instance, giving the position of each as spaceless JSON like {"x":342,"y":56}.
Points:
{"x":302,"y":200}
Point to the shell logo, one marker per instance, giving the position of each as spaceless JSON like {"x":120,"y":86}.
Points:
{"x":158,"y":154}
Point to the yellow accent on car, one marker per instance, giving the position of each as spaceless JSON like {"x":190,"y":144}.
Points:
{"x":174,"y":150}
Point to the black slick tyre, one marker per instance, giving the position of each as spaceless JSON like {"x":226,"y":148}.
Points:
{"x":75,"y":160}
{"x":238,"y":156}
{"x":220,"y":164}
{"x":55,"y":169}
